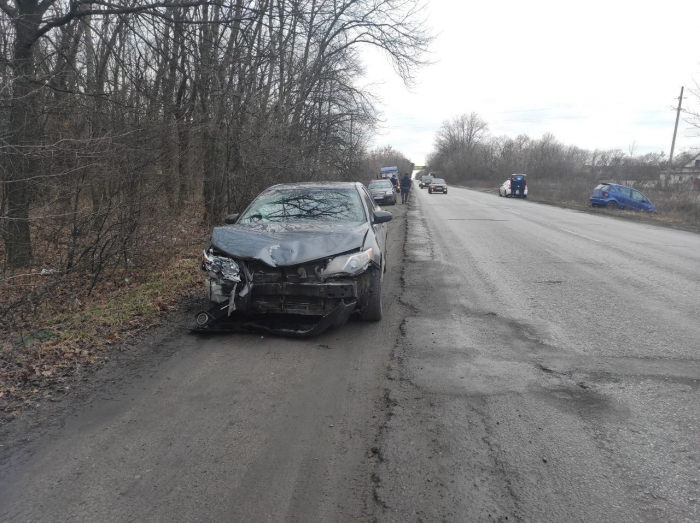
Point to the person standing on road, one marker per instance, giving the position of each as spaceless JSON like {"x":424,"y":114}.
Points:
{"x":395,"y":183}
{"x":405,"y":188}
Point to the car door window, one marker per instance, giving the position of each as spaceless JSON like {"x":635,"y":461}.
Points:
{"x":625,"y":191}
{"x":371,"y":207}
{"x":638,"y":196}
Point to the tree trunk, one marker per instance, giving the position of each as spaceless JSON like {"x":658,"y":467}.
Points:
{"x":25,"y":135}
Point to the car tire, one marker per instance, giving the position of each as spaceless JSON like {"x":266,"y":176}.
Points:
{"x":611,"y":205}
{"x":373,"y":310}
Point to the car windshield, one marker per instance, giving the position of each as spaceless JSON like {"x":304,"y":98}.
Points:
{"x":306,"y":205}
{"x":380,"y":184}
{"x":438,"y":180}
{"x":427,"y":178}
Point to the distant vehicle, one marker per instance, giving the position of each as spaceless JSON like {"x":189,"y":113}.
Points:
{"x":615,"y":196}
{"x":388,"y":172}
{"x":515,"y":186}
{"x":425,"y":181}
{"x":382,"y":192}
{"x":437,"y":185}
{"x":301,"y":258}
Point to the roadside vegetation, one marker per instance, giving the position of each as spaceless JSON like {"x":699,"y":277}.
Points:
{"x":466,"y":153}
{"x":128,"y":129}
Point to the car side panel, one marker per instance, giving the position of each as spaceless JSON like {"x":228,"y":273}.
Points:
{"x":623,"y":195}
{"x":376,"y":238}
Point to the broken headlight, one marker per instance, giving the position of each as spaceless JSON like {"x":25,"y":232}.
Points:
{"x":350,"y":264}
{"x":220,"y":267}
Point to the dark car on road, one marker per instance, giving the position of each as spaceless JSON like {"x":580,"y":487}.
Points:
{"x":383,"y":192}
{"x":301,"y":258}
{"x":425,"y":181}
{"x":615,"y":196}
{"x":437,"y":185}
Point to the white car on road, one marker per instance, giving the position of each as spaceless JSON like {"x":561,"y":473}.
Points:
{"x":506,"y":188}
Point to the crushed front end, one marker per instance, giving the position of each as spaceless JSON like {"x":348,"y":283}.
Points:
{"x":297,"y":300}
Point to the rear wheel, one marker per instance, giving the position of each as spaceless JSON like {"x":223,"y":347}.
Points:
{"x":611,"y":205}
{"x":373,"y":311}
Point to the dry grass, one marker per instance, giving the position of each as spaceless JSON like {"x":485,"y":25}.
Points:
{"x":68,"y":331}
{"x":38,"y":362}
{"x":676,"y":207}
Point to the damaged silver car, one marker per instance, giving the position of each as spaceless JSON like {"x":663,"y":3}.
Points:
{"x":301,"y":258}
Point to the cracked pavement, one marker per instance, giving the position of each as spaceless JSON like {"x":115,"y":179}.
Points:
{"x":548,"y":369}
{"x":534,"y":364}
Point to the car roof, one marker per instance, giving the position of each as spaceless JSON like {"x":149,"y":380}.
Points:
{"x":314,"y":185}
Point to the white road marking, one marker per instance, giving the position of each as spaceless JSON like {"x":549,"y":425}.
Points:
{"x":581,"y":235}
{"x":562,"y":229}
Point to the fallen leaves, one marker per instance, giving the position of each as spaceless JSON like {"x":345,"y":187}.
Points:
{"x":68,"y":335}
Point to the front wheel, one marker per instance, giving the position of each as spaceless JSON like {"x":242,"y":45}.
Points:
{"x":373,"y":310}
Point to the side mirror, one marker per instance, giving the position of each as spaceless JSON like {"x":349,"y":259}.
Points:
{"x":231,"y":219}
{"x":382,"y":217}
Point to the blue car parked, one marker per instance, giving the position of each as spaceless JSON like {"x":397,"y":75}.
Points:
{"x":614,"y":196}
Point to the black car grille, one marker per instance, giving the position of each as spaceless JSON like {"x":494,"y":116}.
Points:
{"x":296,"y":290}
{"x":306,"y":273}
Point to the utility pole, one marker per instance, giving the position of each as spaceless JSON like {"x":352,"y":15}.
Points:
{"x":675,"y":129}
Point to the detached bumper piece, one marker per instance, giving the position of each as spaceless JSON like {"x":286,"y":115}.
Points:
{"x":217,"y":320}
{"x":284,"y":308}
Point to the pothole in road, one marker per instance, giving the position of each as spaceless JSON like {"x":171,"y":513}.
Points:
{"x":584,"y":402}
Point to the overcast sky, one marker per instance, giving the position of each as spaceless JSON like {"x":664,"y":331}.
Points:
{"x":597,"y":74}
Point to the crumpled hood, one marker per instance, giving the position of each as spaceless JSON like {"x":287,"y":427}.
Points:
{"x":283,"y":244}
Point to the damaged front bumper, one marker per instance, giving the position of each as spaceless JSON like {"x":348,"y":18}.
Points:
{"x":264,"y":300}
{"x":217,"y":320}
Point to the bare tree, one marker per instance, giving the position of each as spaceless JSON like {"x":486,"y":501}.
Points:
{"x":116,"y":116}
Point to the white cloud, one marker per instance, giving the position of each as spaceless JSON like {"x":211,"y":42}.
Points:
{"x":596,"y":74}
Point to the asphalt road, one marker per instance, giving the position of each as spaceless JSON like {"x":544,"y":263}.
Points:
{"x":534,"y":364}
